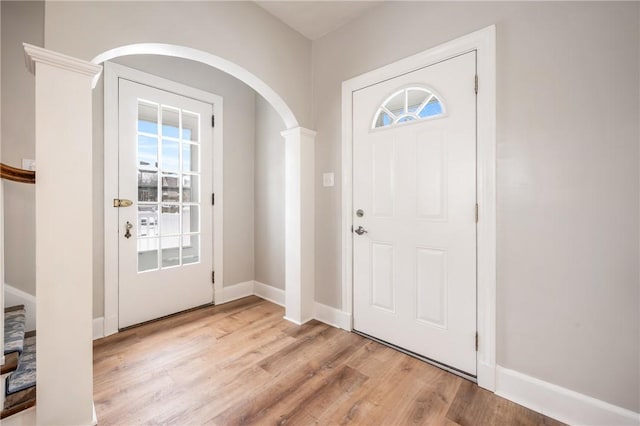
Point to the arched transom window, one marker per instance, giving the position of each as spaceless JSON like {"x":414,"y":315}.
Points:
{"x":409,"y":104}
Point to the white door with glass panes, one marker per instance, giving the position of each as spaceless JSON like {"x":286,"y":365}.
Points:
{"x":165,"y":236}
{"x":414,"y":218}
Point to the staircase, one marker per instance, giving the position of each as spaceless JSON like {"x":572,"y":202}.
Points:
{"x":19,"y":369}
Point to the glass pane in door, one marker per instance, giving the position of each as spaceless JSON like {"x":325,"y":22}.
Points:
{"x":168,"y":228}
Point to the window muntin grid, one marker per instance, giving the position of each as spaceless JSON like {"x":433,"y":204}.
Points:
{"x":169,"y":193}
{"x":406,"y":105}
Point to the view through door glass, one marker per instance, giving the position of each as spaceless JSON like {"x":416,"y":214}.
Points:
{"x":168,"y":186}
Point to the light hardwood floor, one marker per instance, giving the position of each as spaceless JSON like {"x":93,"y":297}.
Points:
{"x":241,"y":363}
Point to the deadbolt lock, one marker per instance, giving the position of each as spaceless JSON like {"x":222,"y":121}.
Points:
{"x":121,"y":202}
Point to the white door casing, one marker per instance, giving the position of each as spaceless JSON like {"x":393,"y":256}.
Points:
{"x":414,"y":186}
{"x":483,"y":43}
{"x":113,"y":74}
{"x":165,"y":244}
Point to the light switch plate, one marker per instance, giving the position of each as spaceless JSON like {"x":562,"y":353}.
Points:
{"x":28,"y":164}
{"x":327,"y":179}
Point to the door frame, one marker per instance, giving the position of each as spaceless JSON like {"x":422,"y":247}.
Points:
{"x":113,"y":72}
{"x":484,"y":43}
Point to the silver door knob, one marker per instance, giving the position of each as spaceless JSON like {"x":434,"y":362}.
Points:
{"x":360,"y":230}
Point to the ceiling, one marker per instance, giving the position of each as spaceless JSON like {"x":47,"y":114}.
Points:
{"x":313,"y":19}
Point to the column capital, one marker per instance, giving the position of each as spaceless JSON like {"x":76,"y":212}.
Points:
{"x":35,"y":54}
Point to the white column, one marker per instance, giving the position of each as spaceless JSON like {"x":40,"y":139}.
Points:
{"x":299,"y":224}
{"x":63,"y":237}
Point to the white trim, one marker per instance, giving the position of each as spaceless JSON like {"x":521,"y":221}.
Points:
{"x":206,"y":58}
{"x":323,"y":313}
{"x":94,"y":417}
{"x":98,"y":328}
{"x":332,"y":316}
{"x":22,"y":418}
{"x":483,"y":41}
{"x":299,"y":212}
{"x":15,"y":296}
{"x":63,"y":102}
{"x":35,"y":54}
{"x":560,"y":403}
{"x":3,"y":381}
{"x":112,"y":72}
{"x":267,"y":292}
{"x":233,"y":292}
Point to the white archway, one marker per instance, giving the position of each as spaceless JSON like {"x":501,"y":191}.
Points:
{"x":222,"y":64}
{"x":299,"y":175}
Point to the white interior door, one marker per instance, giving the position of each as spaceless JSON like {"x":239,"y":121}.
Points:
{"x":414,"y":200}
{"x":165,"y":236}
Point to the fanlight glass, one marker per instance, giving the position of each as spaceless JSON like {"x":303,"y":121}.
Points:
{"x":410,"y":104}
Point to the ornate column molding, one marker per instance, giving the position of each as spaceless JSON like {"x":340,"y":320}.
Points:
{"x":34,"y":54}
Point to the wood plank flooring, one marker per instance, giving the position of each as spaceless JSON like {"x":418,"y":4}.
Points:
{"x":241,"y":363}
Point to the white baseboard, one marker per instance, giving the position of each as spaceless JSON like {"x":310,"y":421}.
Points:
{"x":233,"y":292}
{"x":332,"y":316}
{"x":98,"y":328}
{"x":294,"y":321}
{"x":14,"y":296}
{"x":110,"y":325}
{"x":22,"y":418}
{"x":323,"y":313}
{"x":486,"y":376}
{"x":272,"y":294}
{"x":560,"y":403}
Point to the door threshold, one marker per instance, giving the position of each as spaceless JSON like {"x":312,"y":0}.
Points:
{"x":206,"y":305}
{"x":422,"y":358}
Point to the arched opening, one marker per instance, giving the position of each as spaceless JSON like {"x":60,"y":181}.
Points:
{"x":222,"y":64}
{"x":298,"y":188}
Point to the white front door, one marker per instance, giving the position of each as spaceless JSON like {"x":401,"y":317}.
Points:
{"x":414,"y":200}
{"x":165,"y":236}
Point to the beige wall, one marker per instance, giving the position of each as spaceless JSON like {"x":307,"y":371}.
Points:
{"x":240,"y":32}
{"x":269,"y":196}
{"x":239,"y":137}
{"x":568,"y":208}
{"x":22,"y":22}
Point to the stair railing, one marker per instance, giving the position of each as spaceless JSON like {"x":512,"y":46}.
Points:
{"x":17,"y":175}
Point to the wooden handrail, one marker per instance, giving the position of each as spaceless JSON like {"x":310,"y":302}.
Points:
{"x":17,"y":175}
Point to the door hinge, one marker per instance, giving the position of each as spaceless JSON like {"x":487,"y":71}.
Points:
{"x":477,"y":209}
{"x":213,"y":277}
{"x":476,"y":86}
{"x":476,"y":341}
{"x":213,"y":199}
{"x":213,"y":119}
